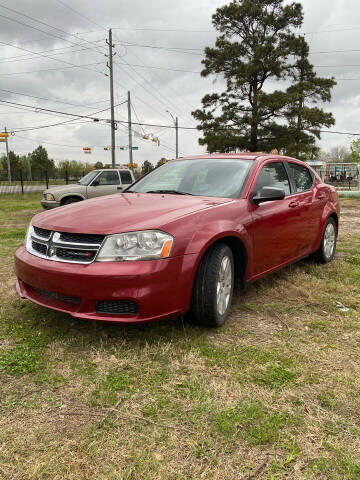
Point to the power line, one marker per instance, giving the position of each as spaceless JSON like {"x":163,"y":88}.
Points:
{"x":52,"y":69}
{"x":190,"y":51}
{"x":91,"y":117}
{"x":51,"y":99}
{"x":78,"y":13}
{"x":334,"y":51}
{"x":171,"y":103}
{"x":64,"y":37}
{"x":20,"y":58}
{"x":331,"y":31}
{"x":41,"y":23}
{"x":164,"y":30}
{"x":156,"y":94}
{"x":78,"y":116}
{"x":158,"y":68}
{"x":48,"y":143}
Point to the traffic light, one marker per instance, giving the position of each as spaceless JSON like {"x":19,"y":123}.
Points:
{"x":87,"y":150}
{"x":3,"y":136}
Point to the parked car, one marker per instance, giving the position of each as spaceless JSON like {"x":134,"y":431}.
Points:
{"x":179,"y":240}
{"x":95,"y":184}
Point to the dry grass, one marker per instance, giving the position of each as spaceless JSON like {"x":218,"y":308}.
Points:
{"x":273,"y":395}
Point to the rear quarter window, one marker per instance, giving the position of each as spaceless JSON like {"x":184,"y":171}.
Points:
{"x":126,"y":178}
{"x":301,"y":176}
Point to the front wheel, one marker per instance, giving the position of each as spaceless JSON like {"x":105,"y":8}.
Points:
{"x":326,"y":250}
{"x":213,"y":288}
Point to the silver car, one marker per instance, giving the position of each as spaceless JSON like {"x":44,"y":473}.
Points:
{"x":95,"y":184}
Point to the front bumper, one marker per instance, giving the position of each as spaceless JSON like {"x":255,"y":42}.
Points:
{"x":161,"y":288}
{"x":47,"y":204}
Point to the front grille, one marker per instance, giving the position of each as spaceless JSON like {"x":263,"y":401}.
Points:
{"x":76,"y":254}
{"x":39,"y":247}
{"x":41,"y":232}
{"x":81,"y":238}
{"x":64,"y":246}
{"x":58,"y":296}
{"x":117,"y":307}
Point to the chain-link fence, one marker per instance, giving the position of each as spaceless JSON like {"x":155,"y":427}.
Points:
{"x":36,"y":182}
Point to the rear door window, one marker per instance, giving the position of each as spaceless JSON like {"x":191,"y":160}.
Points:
{"x":126,"y":178}
{"x":301,"y":176}
{"x":273,"y":175}
{"x":110,"y":177}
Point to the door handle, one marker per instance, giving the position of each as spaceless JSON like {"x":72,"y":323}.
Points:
{"x":119,"y":188}
{"x":294,"y":204}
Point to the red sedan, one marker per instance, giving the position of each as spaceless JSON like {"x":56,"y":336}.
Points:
{"x":180,"y":240}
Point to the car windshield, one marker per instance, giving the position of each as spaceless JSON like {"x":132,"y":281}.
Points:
{"x":88,"y":177}
{"x":204,"y":177}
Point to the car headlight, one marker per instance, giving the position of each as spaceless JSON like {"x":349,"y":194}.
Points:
{"x":146,"y":245}
{"x":28,"y":236}
{"x":49,"y":196}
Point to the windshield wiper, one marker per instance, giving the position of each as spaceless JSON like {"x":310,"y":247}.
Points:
{"x":173,"y":192}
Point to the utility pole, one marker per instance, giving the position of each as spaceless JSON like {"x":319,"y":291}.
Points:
{"x":29,"y":167}
{"x":176,"y":123}
{"x":301,"y":99}
{"x":113,"y":126}
{"x":130,"y":134}
{"x":177,"y":136}
{"x":8,"y":158}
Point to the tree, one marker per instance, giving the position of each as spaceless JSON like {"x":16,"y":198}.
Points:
{"x":15,"y":164}
{"x":40,"y":161}
{"x":161,"y":162}
{"x":254,"y":46}
{"x":70,"y":169}
{"x":257,"y":45}
{"x":147,"y":167}
{"x":305,"y":121}
{"x":337,"y":154}
{"x":354,"y":156}
{"x":99,"y":165}
{"x":87,"y":167}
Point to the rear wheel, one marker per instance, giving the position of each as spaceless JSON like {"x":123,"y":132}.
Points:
{"x":326,"y":250}
{"x":69,"y":200}
{"x":213,"y":288}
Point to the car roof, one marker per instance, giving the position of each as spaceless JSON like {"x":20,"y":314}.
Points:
{"x":241,"y":156}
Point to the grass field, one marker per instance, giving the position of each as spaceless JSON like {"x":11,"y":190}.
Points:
{"x":273,"y":395}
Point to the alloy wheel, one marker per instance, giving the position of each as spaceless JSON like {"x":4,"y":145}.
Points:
{"x":224,"y":285}
{"x":329,"y":240}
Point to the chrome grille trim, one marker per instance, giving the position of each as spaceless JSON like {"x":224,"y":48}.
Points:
{"x":54,"y":242}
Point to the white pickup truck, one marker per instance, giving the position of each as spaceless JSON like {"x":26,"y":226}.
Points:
{"x":95,"y":184}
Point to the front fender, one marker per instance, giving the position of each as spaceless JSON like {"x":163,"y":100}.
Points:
{"x":214,"y":232}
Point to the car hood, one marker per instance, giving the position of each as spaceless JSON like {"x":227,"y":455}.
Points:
{"x":123,"y":213}
{"x":64,"y":188}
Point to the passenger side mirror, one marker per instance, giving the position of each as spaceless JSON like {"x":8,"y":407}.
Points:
{"x":268,"y":194}
{"x":95,"y":183}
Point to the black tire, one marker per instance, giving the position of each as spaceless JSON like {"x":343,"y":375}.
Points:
{"x":69,"y":200}
{"x":204,"y":308}
{"x":323,"y":254}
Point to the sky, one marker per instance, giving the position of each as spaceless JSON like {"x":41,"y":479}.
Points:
{"x":70,"y":73}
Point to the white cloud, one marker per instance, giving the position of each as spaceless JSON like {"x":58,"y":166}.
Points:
{"x":153,"y":91}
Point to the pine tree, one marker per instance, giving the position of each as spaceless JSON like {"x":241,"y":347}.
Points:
{"x":255,"y":43}
{"x":256,"y":47}
{"x":305,"y":121}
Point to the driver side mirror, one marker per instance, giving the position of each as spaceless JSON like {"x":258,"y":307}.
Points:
{"x":268,"y":194}
{"x":95,"y":183}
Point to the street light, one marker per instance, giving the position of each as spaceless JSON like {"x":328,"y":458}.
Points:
{"x":176,"y":123}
